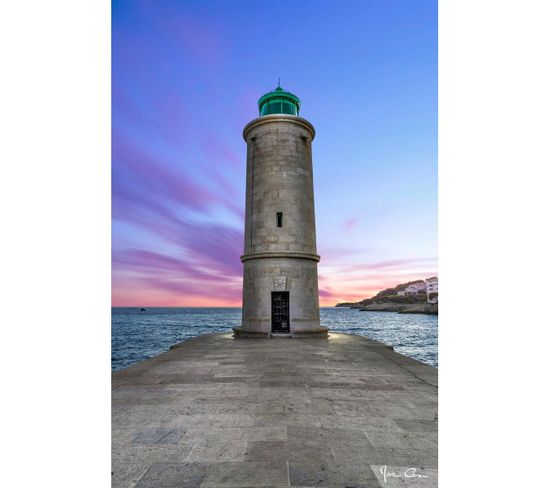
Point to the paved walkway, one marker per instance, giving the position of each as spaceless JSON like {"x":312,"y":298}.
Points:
{"x":222,"y":412}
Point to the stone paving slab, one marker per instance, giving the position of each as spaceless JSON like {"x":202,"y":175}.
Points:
{"x":220,"y":412}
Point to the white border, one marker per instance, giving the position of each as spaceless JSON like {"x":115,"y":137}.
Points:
{"x":55,"y":200}
{"x":493,"y":233}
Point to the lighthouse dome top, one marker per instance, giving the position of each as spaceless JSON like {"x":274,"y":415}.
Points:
{"x":279,"y":101}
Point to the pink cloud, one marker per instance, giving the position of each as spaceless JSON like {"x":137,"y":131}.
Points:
{"x":350,"y":224}
{"x":216,"y":149}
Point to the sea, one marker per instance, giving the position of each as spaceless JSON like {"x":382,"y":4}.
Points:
{"x":138,"y":335}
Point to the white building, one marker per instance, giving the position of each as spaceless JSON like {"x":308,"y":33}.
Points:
{"x":414,"y":289}
{"x":432,"y":287}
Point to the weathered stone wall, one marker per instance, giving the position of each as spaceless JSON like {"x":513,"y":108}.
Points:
{"x":280,"y":179}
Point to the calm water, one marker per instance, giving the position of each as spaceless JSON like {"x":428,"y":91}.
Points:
{"x":140,"y":335}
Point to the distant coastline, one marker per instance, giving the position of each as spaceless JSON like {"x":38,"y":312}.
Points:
{"x":399,"y":299}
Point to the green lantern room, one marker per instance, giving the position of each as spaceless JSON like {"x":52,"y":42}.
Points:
{"x":279,"y":101}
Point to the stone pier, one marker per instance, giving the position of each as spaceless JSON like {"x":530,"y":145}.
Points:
{"x":216,"y":411}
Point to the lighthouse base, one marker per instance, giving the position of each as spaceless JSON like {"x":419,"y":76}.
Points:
{"x":312,"y":333}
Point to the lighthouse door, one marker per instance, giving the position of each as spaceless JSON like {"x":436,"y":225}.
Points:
{"x":279,"y":311}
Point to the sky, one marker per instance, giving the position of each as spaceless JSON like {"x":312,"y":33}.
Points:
{"x":186,"y":77}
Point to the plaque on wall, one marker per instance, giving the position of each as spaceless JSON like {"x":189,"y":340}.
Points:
{"x":279,"y":283}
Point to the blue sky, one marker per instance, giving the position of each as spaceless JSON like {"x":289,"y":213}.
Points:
{"x":186,"y":79}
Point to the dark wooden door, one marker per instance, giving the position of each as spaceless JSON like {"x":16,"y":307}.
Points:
{"x":279,"y":311}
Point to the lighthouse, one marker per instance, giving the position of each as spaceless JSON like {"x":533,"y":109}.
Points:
{"x":280,"y":284}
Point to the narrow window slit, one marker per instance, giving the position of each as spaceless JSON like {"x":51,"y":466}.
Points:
{"x":279,"y":219}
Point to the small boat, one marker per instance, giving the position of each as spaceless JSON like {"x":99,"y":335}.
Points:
{"x":142,"y":309}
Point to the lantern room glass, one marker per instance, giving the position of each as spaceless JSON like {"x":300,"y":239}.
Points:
{"x":279,"y":106}
{"x":279,"y":101}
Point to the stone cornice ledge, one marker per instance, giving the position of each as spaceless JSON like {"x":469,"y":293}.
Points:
{"x":294,"y":119}
{"x":281,"y":254}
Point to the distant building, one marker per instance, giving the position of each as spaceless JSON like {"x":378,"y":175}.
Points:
{"x":431,"y":288}
{"x":414,"y":289}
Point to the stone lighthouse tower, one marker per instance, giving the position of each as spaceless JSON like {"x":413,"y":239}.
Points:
{"x":280,"y":290}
